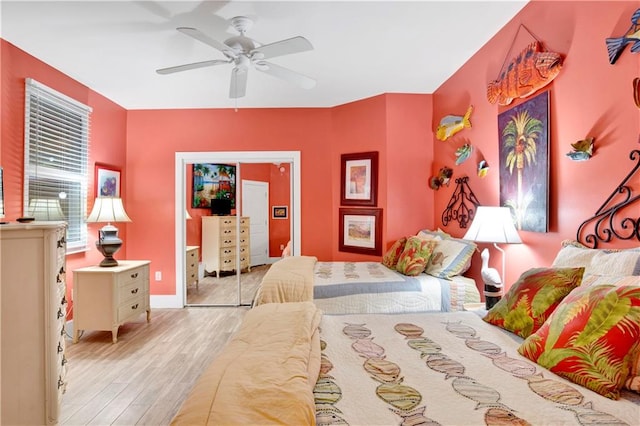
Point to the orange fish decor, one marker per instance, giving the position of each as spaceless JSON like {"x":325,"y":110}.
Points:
{"x":527,"y":73}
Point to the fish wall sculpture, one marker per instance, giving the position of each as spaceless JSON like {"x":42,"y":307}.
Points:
{"x":615,"y":45}
{"x":452,"y":124}
{"x":527,"y":73}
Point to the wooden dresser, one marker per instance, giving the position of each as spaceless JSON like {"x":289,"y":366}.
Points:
{"x":191,"y":265}
{"x":104,"y":298}
{"x":33,"y":313}
{"x":220,"y":240}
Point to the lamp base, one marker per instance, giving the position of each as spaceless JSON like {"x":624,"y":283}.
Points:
{"x":108,"y":244}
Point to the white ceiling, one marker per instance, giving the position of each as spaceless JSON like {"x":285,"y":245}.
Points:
{"x":361,"y":48}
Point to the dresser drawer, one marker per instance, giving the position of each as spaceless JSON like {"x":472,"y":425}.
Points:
{"x":131,"y":308}
{"x":131,"y":290}
{"x":136,"y":275}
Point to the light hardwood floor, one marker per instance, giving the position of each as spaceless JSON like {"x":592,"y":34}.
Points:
{"x":144,"y":377}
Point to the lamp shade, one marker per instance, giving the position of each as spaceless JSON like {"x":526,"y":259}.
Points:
{"x":493,"y":225}
{"x":108,"y":209}
{"x":45,"y":209}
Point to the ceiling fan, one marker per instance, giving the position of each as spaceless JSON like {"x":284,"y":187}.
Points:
{"x":243,"y":52}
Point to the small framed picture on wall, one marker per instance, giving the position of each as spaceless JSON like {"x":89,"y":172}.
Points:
{"x":359,"y":179}
{"x":107,"y":180}
{"x":279,"y":212}
{"x":360,"y":231}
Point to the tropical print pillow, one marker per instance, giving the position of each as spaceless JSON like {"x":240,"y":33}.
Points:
{"x":590,"y":338}
{"x":530,"y":301}
{"x":390,"y":258}
{"x":415,"y":256}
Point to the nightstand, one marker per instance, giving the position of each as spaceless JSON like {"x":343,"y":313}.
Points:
{"x":191,"y":265}
{"x":106,"y":297}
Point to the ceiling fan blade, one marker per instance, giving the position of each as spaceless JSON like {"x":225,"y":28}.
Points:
{"x":286,"y":74}
{"x":238,"y":86}
{"x":192,"y":66}
{"x":200,"y":36}
{"x":283,"y":47}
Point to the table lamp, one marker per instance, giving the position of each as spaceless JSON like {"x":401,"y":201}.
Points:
{"x":45,"y":209}
{"x":492,"y":225}
{"x":108,"y":209}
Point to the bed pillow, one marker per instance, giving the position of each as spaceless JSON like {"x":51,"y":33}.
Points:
{"x":390,"y":258}
{"x":427,"y":234}
{"x":451,"y":257}
{"x":590,"y":338}
{"x":633,"y":381}
{"x":530,"y":301}
{"x":610,"y":262}
{"x":415,"y":256}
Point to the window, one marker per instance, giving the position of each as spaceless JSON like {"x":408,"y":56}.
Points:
{"x":56,"y":155}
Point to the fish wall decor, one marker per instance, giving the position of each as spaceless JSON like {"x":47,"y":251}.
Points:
{"x":452,"y":124}
{"x":483,"y":168}
{"x":636,"y":91}
{"x":582,"y":150}
{"x":615,"y":45}
{"x":443,"y":178}
{"x":463,"y":153}
{"x":527,"y":73}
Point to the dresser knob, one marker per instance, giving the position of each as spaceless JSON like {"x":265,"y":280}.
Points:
{"x":134,"y":291}
{"x":134,"y":275}
{"x":134,"y":307}
{"x":60,"y":313}
{"x":60,"y":348}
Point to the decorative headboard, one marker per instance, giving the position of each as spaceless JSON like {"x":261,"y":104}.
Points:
{"x":609,"y":222}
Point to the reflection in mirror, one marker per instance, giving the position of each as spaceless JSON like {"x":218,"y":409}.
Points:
{"x":233,"y":236}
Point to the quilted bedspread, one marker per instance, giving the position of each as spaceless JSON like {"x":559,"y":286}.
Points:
{"x":370,"y":287}
{"x":448,"y":369}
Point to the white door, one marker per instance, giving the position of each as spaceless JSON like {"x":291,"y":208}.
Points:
{"x":255,"y":205}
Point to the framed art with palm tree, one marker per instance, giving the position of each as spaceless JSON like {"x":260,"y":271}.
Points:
{"x":524,"y":163}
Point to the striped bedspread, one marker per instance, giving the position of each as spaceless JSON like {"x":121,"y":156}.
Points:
{"x":370,"y":287}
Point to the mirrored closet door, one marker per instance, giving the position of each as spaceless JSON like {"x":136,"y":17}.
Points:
{"x":239,"y":216}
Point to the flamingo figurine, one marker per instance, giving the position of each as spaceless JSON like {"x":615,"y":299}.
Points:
{"x":492,"y":281}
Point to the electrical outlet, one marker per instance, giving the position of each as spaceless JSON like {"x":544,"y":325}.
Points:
{"x":158,"y":275}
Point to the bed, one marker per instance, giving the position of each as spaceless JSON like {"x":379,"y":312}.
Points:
{"x":393,"y":285}
{"x":370,"y":287}
{"x":290,"y":365}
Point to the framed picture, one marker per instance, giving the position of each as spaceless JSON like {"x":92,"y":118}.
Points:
{"x":359,"y":179}
{"x":279,"y":212}
{"x":524,"y":163}
{"x":214,"y":182}
{"x":107,"y":181}
{"x":361,"y":231}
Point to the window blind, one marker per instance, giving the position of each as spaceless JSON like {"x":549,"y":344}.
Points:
{"x":56,"y":160}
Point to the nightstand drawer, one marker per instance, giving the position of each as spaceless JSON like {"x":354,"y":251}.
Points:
{"x":137,"y":275}
{"x":134,"y":289}
{"x":131,"y":308}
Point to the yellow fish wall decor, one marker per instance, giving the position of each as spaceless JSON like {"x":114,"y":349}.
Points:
{"x":581,"y":150}
{"x":452,"y":124}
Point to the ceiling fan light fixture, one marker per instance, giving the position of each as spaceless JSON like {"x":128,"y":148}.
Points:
{"x":243,"y":51}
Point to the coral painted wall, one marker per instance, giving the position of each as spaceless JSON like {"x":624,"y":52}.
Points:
{"x":589,"y":98}
{"x":107,"y":145}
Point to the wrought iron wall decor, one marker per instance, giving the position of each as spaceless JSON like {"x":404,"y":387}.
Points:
{"x":462,"y":205}
{"x":609,"y":223}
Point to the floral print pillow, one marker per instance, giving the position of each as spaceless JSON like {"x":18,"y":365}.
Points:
{"x":390,"y":258}
{"x":590,"y":338}
{"x":530,"y":301}
{"x":415,"y":256}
